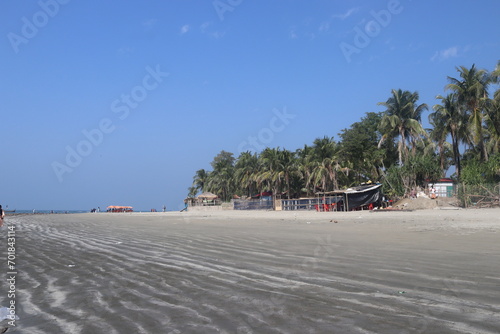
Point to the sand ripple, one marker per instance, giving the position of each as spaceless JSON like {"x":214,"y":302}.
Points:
{"x":79,"y":274}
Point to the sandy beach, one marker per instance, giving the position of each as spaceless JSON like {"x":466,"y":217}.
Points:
{"x":429,"y":271}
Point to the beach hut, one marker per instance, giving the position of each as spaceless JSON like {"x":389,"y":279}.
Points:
{"x":356,"y":197}
{"x":207,"y":196}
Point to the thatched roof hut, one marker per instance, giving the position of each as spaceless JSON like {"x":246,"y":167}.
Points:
{"x":207,"y":196}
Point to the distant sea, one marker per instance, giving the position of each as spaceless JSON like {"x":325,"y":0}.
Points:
{"x":69,"y":211}
{"x":48,"y":211}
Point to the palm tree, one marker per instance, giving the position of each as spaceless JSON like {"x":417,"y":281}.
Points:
{"x":324,"y":148}
{"x":402,"y":119}
{"x":493,"y":123}
{"x":324,"y":174}
{"x":289,"y":168}
{"x":277,"y":168}
{"x":448,"y":118}
{"x":246,"y":168}
{"x":269,"y":170}
{"x":219,"y":184}
{"x":200,"y":179}
{"x":303,"y":163}
{"x":221,"y":180}
{"x":493,"y":112}
{"x":324,"y":165}
{"x":472,"y":92}
{"x":438,"y":135}
{"x":192,"y":191}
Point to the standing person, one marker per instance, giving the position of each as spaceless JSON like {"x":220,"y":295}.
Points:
{"x":2,"y":215}
{"x":433,"y":192}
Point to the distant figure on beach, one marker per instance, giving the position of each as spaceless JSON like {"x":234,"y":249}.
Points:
{"x":432,"y":192}
{"x":2,"y":215}
{"x":164,"y":208}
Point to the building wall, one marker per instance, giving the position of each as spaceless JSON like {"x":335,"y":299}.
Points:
{"x":224,"y":206}
{"x":445,"y":189}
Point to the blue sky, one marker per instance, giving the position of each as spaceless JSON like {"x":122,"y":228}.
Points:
{"x":120,"y":102}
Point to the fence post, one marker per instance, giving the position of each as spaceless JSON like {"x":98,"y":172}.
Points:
{"x":465,"y":195}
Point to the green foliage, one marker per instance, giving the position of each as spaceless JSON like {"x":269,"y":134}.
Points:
{"x":476,"y":172}
{"x":418,"y":169}
{"x":192,"y":191}
{"x":223,"y":160}
{"x":400,"y":180}
{"x":390,"y":146}
{"x":246,"y":166}
{"x":448,"y":118}
{"x":221,"y":179}
{"x":402,"y":120}
{"x":199,"y":180}
{"x":392,"y":184}
{"x":473,"y":173}
{"x":471,"y":89}
{"x":493,"y":167}
{"x":359,"y":147}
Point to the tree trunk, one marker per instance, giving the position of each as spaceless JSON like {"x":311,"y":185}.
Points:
{"x":456,"y":153}
{"x":441,"y":158}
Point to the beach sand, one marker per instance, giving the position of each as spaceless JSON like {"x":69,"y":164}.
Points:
{"x":430,"y":271}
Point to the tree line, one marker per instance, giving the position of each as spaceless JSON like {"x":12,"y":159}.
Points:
{"x":391,"y":147}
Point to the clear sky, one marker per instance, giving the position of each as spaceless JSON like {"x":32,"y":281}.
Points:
{"x":120,"y":102}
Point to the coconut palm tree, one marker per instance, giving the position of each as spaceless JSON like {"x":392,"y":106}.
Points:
{"x":246,"y":168}
{"x":288,"y":168}
{"x":493,"y":113}
{"x":323,"y":174}
{"x":324,"y":165}
{"x":471,"y":89}
{"x":402,"y":120}
{"x":270,"y":166}
{"x":448,"y":118}
{"x":303,"y":162}
{"x":277,"y":168}
{"x":221,"y":181}
{"x":200,"y":179}
{"x":438,"y":135}
{"x":192,"y":191}
{"x":493,"y":124}
{"x":323,"y":148}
